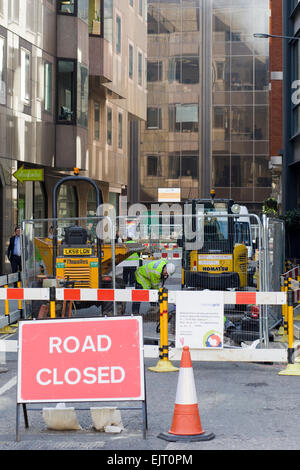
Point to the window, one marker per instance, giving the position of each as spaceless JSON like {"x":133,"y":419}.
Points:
{"x":153,"y":118}
{"x":154,"y":70}
{"x":95,"y":17}
{"x":130,"y":61}
{"x":184,"y":70}
{"x":39,"y":207}
{"x":2,"y":71}
{"x":131,"y":3}
{"x":109,"y":126}
{"x":183,"y":166}
{"x":67,"y":202}
{"x":66,"y":6}
{"x":153,"y":165}
{"x":140,"y":68}
{"x":141,"y":7}
{"x":13,"y":11}
{"x":96,"y":121}
{"x":108,"y":20}
{"x":83,"y":10}
{"x":66,"y":90}
{"x":47,"y":86}
{"x":83,"y":83}
{"x":25,"y":76}
{"x":120,"y":130}
{"x":118,"y":40}
{"x":183,"y":118}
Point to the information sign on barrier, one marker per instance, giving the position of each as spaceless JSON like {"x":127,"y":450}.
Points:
{"x":90,"y":359}
{"x":199,"y":319}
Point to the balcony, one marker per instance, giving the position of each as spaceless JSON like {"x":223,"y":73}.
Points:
{"x":100,"y":58}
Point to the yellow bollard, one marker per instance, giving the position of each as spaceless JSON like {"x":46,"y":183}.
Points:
{"x":52,"y":309}
{"x":6,"y":304}
{"x":164,"y":364}
{"x":284,"y":331}
{"x":293,"y":367}
{"x":7,"y":329}
{"x":19,"y":301}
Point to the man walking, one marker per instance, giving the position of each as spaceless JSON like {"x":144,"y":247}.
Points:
{"x":14,"y":251}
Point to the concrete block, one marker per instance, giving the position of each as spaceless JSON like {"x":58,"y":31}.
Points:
{"x":106,"y":419}
{"x":61,"y":418}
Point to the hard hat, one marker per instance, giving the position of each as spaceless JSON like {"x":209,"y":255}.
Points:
{"x":171,"y":268}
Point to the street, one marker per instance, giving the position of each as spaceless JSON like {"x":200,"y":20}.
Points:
{"x":247,"y":406}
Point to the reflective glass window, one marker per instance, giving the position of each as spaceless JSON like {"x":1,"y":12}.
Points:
{"x":184,"y":70}
{"x":95,"y":17}
{"x":65,"y":90}
{"x":154,"y":70}
{"x":66,"y":6}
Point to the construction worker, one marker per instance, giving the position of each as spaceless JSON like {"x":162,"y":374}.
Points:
{"x":150,"y":276}
{"x":130,"y":266}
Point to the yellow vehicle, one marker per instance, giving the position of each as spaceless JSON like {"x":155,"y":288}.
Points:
{"x":77,"y":260}
{"x":218,"y":262}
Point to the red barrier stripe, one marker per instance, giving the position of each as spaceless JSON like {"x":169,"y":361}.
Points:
{"x":245,"y":298}
{"x":15,"y":294}
{"x":140,"y":296}
{"x":106,"y":294}
{"x":71,"y":294}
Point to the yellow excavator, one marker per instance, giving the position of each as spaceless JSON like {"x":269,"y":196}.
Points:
{"x":217,"y":262}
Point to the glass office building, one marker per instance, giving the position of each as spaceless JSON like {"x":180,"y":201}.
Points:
{"x":207,"y":111}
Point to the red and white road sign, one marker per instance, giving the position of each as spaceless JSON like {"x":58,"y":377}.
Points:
{"x":93,"y":359}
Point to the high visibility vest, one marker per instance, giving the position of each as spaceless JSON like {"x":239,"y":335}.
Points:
{"x":149,"y":275}
{"x":134,"y":256}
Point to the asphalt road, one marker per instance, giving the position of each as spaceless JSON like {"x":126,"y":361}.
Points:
{"x":247,"y":406}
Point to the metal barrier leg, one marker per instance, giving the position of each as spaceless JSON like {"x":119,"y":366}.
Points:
{"x":164,"y":364}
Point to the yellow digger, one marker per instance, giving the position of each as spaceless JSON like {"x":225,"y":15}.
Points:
{"x":217,"y":263}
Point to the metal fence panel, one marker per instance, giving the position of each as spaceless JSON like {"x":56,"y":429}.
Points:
{"x":214,"y":251}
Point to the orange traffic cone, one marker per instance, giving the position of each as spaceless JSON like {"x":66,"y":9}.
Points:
{"x":186,"y":424}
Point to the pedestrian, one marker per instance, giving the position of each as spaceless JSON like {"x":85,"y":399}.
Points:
{"x":14,"y":251}
{"x":150,"y":276}
{"x":51,"y":231}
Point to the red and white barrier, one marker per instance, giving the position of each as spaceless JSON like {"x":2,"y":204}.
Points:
{"x":26,"y":293}
{"x":132,"y":295}
{"x":245,"y":298}
{"x":107,"y":295}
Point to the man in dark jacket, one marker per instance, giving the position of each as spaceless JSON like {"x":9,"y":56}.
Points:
{"x":14,"y":251}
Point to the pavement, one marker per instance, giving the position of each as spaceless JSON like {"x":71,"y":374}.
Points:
{"x":247,"y":406}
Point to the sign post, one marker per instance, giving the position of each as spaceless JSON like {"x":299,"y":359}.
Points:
{"x":75,"y":360}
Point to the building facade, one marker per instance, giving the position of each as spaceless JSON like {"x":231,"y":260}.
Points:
{"x":291,"y":110}
{"x":208,"y":100}
{"x":72,"y":94}
{"x":276,"y":101}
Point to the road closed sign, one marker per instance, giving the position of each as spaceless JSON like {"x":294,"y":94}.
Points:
{"x":94,"y":359}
